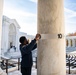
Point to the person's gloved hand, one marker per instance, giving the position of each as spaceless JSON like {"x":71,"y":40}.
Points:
{"x":37,"y":37}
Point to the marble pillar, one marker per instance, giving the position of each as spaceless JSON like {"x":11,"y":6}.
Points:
{"x":69,"y":43}
{"x":17,"y":40}
{"x":51,"y":50}
{"x":66,"y":42}
{"x":73,"y":42}
{"x":1,"y":10}
{"x":7,"y":37}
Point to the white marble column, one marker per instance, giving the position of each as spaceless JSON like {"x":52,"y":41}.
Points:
{"x":73,"y":42}
{"x":66,"y":42}
{"x":69,"y":43}
{"x":3,"y":39}
{"x":1,"y":11}
{"x":17,"y":40}
{"x":6,"y":37}
{"x":51,"y":50}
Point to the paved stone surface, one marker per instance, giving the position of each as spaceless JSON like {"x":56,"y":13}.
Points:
{"x":34,"y":72}
{"x":18,"y":72}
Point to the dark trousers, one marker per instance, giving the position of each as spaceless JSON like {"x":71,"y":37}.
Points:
{"x":26,"y":71}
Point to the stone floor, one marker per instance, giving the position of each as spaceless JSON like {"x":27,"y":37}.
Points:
{"x":34,"y":72}
{"x":18,"y":72}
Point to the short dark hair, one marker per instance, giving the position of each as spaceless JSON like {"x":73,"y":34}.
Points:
{"x":22,"y":39}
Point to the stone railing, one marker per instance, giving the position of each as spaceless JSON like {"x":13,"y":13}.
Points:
{"x":71,"y":64}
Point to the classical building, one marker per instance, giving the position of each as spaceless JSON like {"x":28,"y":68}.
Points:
{"x":71,"y":41}
{"x":11,"y":34}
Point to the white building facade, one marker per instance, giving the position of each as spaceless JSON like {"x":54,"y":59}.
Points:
{"x":11,"y":34}
{"x":71,"y":41}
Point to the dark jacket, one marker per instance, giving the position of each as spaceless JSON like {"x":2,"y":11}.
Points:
{"x":26,"y":52}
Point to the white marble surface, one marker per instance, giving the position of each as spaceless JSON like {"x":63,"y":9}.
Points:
{"x":51,"y":52}
{"x":1,"y":11}
{"x":34,"y":72}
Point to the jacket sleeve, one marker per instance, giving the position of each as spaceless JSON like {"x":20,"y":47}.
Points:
{"x":30,"y":46}
{"x":35,"y":46}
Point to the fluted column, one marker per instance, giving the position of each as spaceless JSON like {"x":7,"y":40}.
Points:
{"x":51,"y":49}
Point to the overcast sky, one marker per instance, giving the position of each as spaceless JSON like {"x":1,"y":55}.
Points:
{"x":25,"y":12}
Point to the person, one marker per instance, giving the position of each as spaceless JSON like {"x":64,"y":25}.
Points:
{"x":26,"y":52}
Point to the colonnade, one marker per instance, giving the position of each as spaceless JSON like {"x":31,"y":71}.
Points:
{"x":71,"y":42}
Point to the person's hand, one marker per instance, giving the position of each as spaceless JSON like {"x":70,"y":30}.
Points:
{"x":37,"y":37}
